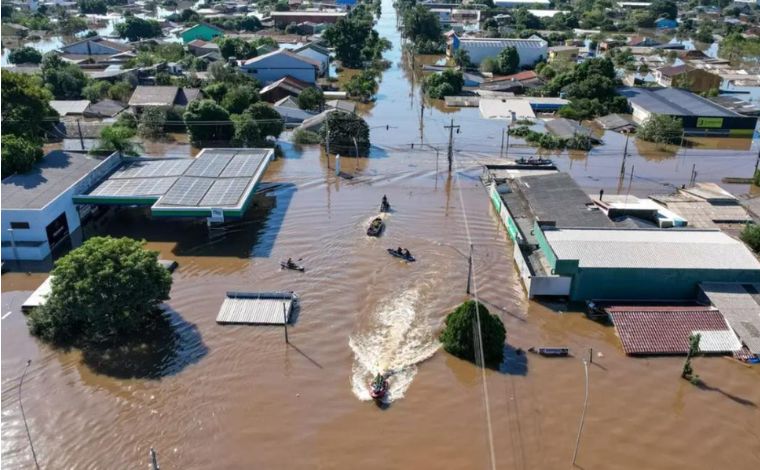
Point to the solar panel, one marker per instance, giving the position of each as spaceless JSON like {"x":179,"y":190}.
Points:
{"x":226,"y":192}
{"x":153,"y":168}
{"x":186,"y":192}
{"x":243,"y":164}
{"x":209,"y":165}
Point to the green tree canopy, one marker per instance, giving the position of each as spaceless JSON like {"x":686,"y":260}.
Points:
{"x":246,"y":132}
{"x":664,"y":9}
{"x":116,"y":138}
{"x":65,"y":80}
{"x":26,"y":107}
{"x":134,"y":28}
{"x":661,"y":129}
{"x":105,"y":291}
{"x":97,"y":7}
{"x":346,"y":132}
{"x":311,"y":99}
{"x":354,"y":40}
{"x":19,"y":154}
{"x":96,"y":90}
{"x":508,"y":60}
{"x":207,"y":121}
{"x":421,"y":24}
{"x":235,"y":47}
{"x":267,"y":118}
{"x":25,"y":55}
{"x":362,"y":85}
{"x":751,"y":236}
{"x":449,"y":82}
{"x":152,"y":121}
{"x":238,"y":98}
{"x":458,"y":337}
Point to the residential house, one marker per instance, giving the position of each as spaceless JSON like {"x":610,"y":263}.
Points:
{"x":291,"y":114}
{"x":640,"y":41}
{"x":199,"y":47}
{"x":563,"y":53}
{"x":104,"y":109}
{"x":316,"y":52}
{"x":688,"y":77}
{"x":94,"y":46}
{"x":13,"y":29}
{"x":282,"y":88}
{"x":666,"y":23}
{"x":530,"y":50}
{"x":203,"y":31}
{"x":69,"y":107}
{"x":275,"y":65}
{"x":283,"y":18}
{"x":162,"y":97}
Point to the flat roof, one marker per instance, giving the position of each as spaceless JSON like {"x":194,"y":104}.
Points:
{"x":740,"y":304}
{"x":496,"y":108}
{"x":650,"y":248}
{"x":674,"y":102}
{"x":216,"y":179}
{"x":558,"y":198}
{"x":257,"y":308}
{"x":56,"y":173}
{"x":666,"y":330}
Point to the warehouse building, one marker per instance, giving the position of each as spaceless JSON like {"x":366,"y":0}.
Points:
{"x":530,"y":50}
{"x":699,"y":115}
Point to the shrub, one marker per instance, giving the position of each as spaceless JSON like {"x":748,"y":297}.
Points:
{"x":346,"y":132}
{"x":152,"y":123}
{"x":19,"y":154}
{"x":751,"y":236}
{"x":105,"y":291}
{"x":311,"y":99}
{"x":458,"y":337}
{"x":661,"y":129}
{"x":25,"y":55}
{"x":304,"y":137}
{"x":448,"y":82}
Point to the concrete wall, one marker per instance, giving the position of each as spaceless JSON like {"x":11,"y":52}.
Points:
{"x":273,"y":68}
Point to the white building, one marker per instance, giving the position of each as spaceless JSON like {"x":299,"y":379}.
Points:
{"x":38,"y":211}
{"x":278,"y":64}
{"x":519,"y":3}
{"x":530,"y":50}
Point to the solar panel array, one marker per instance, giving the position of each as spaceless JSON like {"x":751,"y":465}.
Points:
{"x":135,"y":187}
{"x":216,"y":178}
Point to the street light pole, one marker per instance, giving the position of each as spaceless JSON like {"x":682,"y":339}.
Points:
{"x":583,"y":414}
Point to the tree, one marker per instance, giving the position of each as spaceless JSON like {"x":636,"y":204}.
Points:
{"x":664,"y":9}
{"x":688,"y":372}
{"x":152,"y":123}
{"x":350,"y":36}
{"x":304,"y":137}
{"x":345,"y":132}
{"x":311,"y":99}
{"x":207,"y":121}
{"x":25,"y":55}
{"x":115,"y":138}
{"x":238,"y":98}
{"x":661,"y":129}
{"x":246,"y":132}
{"x":19,"y":154}
{"x":267,"y":118}
{"x":106,"y":291}
{"x":362,"y":86}
{"x":71,"y":25}
{"x":449,"y":82}
{"x":26,"y":107}
{"x":97,"y":7}
{"x":120,"y":91}
{"x":134,"y":28}
{"x":508,"y":61}
{"x":96,"y":90}
{"x":421,"y":24}
{"x":459,"y":339}
{"x":65,"y":80}
{"x":235,"y":47}
{"x":526,"y":20}
{"x":462,"y":59}
{"x":751,"y":236}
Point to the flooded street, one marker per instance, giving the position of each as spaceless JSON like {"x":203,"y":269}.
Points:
{"x":230,"y":397}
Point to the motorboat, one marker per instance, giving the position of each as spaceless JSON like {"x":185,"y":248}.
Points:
{"x":292,"y":266}
{"x":376,"y":227}
{"x":550,"y":352}
{"x":378,"y":388}
{"x":401,"y":254}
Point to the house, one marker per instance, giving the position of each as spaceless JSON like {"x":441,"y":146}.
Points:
{"x":316,"y":52}
{"x":104,"y":109}
{"x":283,"y":18}
{"x":519,"y":3}
{"x":13,"y":29}
{"x":564,"y":53}
{"x":203,"y":31}
{"x":699,"y":115}
{"x":275,"y":65}
{"x":94,"y":46}
{"x":666,"y":23}
{"x":199,"y":47}
{"x":291,"y":114}
{"x":530,"y":50}
{"x":640,"y":41}
{"x":688,"y":77}
{"x":161,"y":97}
{"x":284,"y":87}
{"x":69,"y":107}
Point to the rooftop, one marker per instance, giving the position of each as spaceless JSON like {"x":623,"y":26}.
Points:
{"x":66,"y":107}
{"x":257,"y":308}
{"x":534,"y":42}
{"x":666,"y":330}
{"x":57,"y":172}
{"x":567,"y":129}
{"x":286,"y":52}
{"x":650,"y":249}
{"x":275,"y":14}
{"x":215,"y":179}
{"x":674,"y":102}
{"x":740,"y":305}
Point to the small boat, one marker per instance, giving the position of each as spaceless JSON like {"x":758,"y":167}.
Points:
{"x":292,"y":266}
{"x":534,"y":161}
{"x":376,"y":227}
{"x":385,"y":206}
{"x":378,"y":388}
{"x":395,"y":253}
{"x":551,"y":352}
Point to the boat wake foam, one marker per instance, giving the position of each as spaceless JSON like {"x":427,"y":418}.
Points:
{"x":396,"y":338}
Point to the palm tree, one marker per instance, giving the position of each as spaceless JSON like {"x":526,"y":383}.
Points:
{"x":118,"y":139}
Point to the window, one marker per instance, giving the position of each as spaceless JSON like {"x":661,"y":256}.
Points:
{"x":19,"y":225}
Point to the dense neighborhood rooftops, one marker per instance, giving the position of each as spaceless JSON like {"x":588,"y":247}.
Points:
{"x":650,"y":249}
{"x":57,"y":172}
{"x":674,"y":102}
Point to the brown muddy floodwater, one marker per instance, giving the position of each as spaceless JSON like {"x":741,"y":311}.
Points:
{"x":237,"y":397}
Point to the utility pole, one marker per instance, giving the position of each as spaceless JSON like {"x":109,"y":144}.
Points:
{"x":757,"y":162}
{"x":23,"y":414}
{"x":693,"y":179}
{"x":630,"y":183}
{"x":79,"y":126}
{"x":625,"y":154}
{"x":583,"y":414}
{"x":469,"y":270}
{"x":285,"y":321}
{"x":501,"y":147}
{"x":512,"y":117}
{"x":422,"y":114}
{"x":450,"y":154}
{"x":154,"y":460}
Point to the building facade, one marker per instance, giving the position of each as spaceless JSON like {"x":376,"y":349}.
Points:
{"x":530,"y":50}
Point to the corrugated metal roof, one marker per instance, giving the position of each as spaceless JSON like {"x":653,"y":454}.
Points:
{"x":740,"y":305}
{"x":263,"y":308}
{"x":64,"y":107}
{"x":504,"y":42}
{"x":651,"y":249}
{"x":666,"y":330}
{"x":674,"y":102}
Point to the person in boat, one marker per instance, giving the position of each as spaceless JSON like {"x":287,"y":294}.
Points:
{"x":400,"y":251}
{"x":290,"y":263}
{"x":385,"y":201}
{"x":406,"y":253}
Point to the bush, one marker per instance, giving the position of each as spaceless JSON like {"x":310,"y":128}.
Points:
{"x":346,"y":132}
{"x":311,"y":99}
{"x":751,"y":236}
{"x":267,"y":119}
{"x":96,"y":90}
{"x":548,"y":141}
{"x":152,"y":123}
{"x":19,"y":154}
{"x":105,"y":291}
{"x":304,"y":137}
{"x":661,"y":129}
{"x":197,"y":116}
{"x":458,"y":337}
{"x":449,"y":82}
{"x":362,"y":86}
{"x":25,"y":55}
